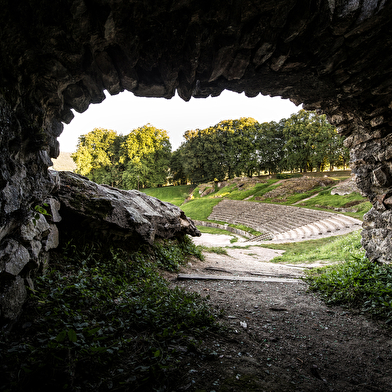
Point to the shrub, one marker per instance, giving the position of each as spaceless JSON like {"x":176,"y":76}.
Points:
{"x":357,"y":284}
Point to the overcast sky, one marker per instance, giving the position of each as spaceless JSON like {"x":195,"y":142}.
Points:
{"x":125,"y":112}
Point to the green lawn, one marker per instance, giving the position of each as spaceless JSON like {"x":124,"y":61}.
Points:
{"x":337,"y":248}
{"x":213,"y":230}
{"x":325,"y":199}
{"x":200,"y":209}
{"x":173,"y":194}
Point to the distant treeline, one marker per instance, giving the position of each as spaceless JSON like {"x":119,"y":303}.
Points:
{"x":143,"y":158}
{"x":304,"y":142}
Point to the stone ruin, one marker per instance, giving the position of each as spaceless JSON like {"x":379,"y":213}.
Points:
{"x":333,"y":56}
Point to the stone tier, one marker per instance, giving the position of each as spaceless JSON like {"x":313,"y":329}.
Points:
{"x":280,"y":222}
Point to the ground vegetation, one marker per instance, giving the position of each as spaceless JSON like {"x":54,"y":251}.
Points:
{"x":135,"y":329}
{"x":103,"y":318}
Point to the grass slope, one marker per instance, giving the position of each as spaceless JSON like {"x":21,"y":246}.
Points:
{"x":173,"y":194}
{"x":200,"y":209}
{"x":339,"y":248}
{"x":292,"y":191}
{"x":324,"y":201}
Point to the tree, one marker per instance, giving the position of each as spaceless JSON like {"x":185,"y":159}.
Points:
{"x":177,"y":167}
{"x":298,"y":142}
{"x":139,"y":159}
{"x":311,"y":142}
{"x":97,"y":155}
{"x":146,"y":154}
{"x":224,"y":150}
{"x":270,"y":147}
{"x":194,"y":157}
{"x":337,"y":153}
{"x":237,"y":141}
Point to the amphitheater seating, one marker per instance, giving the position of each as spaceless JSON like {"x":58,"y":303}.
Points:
{"x":280,"y":222}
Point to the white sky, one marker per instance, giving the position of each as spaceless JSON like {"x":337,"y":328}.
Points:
{"x":125,"y":112}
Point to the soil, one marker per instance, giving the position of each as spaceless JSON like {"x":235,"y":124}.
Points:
{"x":279,"y":336}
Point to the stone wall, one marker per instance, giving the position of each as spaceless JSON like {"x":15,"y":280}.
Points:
{"x":331,"y":55}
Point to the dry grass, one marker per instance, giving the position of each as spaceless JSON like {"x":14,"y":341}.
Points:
{"x":296,"y":185}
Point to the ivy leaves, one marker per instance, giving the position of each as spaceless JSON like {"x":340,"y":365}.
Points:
{"x":104,"y":312}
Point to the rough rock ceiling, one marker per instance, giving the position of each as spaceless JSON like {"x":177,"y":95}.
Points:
{"x":324,"y":53}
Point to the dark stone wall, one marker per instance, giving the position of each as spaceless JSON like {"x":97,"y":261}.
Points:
{"x":332,"y":55}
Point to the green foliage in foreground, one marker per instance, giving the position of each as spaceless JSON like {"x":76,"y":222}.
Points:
{"x":102,"y":320}
{"x":357,"y":284}
{"x":338,"y":248}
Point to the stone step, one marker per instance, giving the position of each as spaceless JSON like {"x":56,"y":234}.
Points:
{"x":281,"y":222}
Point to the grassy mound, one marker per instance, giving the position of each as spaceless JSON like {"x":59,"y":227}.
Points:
{"x":173,"y":194}
{"x":295,"y":189}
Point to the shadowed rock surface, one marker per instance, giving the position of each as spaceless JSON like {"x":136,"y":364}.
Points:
{"x":333,"y":56}
{"x":117,"y":215}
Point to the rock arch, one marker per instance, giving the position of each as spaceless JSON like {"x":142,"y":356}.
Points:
{"x":331,"y":55}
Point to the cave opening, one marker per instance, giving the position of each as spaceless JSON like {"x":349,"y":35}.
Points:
{"x":331,"y":56}
{"x":124,"y":112}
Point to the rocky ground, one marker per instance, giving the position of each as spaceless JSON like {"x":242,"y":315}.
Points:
{"x":280,"y":337}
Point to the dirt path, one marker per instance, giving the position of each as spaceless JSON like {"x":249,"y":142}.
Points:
{"x":280,"y":338}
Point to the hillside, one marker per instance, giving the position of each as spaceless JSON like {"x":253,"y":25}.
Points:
{"x":64,"y":162}
{"x":335,"y":194}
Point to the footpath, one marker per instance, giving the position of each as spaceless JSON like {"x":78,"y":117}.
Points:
{"x":280,"y":337}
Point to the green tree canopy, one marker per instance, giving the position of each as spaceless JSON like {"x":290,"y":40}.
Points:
{"x":146,"y":154}
{"x":224,"y":150}
{"x":96,"y":156}
{"x":310,"y":142}
{"x":140,"y":158}
{"x":243,"y":147}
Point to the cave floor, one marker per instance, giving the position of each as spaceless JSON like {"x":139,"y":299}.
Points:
{"x":280,"y":337}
